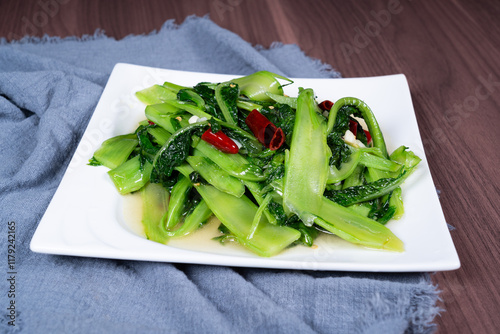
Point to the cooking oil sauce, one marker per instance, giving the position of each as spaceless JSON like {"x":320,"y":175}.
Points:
{"x":199,"y":240}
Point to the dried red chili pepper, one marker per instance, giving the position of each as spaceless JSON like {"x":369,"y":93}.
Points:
{"x":353,"y":127}
{"x":151,"y":122}
{"x":266,"y":132}
{"x":368,"y":137}
{"x":220,"y":141}
{"x":326,"y":105}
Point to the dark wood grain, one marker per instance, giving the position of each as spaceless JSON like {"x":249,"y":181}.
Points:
{"x":450,"y":53}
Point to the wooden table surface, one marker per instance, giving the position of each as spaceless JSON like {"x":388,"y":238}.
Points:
{"x":448,"y":50}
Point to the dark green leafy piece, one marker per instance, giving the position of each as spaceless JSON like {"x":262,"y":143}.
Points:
{"x":195,"y":177}
{"x":94,"y":162}
{"x":277,"y":211}
{"x":189,"y":96}
{"x":367,"y":191}
{"x":264,"y":159}
{"x":340,"y":150}
{"x":227,"y":95}
{"x":275,"y":168}
{"x":192,"y":200}
{"x":275,"y":173}
{"x":148,"y":147}
{"x":226,"y":235}
{"x":381,"y":210}
{"x":250,"y":145}
{"x":215,"y":124}
{"x":174,"y":152}
{"x":208,"y":95}
{"x":307,"y":233}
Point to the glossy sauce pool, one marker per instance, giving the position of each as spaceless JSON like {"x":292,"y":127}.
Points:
{"x":200,"y":240}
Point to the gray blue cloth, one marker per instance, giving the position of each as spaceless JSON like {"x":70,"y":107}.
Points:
{"x":49,"y":88}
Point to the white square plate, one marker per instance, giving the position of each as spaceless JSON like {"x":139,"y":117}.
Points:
{"x":87,"y":216}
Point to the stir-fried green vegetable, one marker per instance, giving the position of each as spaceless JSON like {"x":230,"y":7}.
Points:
{"x":275,"y":170}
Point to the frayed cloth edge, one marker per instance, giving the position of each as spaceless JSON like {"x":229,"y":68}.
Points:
{"x":168,"y":25}
{"x":420,"y":312}
{"x":322,"y":67}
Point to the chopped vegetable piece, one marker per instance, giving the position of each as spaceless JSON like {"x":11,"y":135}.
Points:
{"x":237,"y":215}
{"x":115,"y":151}
{"x":178,"y":198}
{"x":174,"y":152}
{"x":363,"y":135}
{"x":193,"y":221}
{"x":154,"y":207}
{"x":217,"y":177}
{"x":247,"y":105}
{"x":129,"y":176}
{"x":304,"y":186}
{"x":235,"y":164}
{"x":173,"y":87}
{"x":226,"y":95}
{"x":396,"y":201}
{"x":190,"y":108}
{"x":256,"y":85}
{"x":155,"y":94}
{"x":165,"y":115}
{"x":189,"y":96}
{"x":258,"y":216}
{"x":368,"y":191}
{"x":283,"y":99}
{"x":404,"y":157}
{"x":159,"y":134}
{"x":346,"y":168}
{"x":356,"y":228}
{"x":257,"y":193}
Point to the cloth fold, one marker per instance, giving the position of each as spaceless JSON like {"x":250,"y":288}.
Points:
{"x":49,"y":88}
